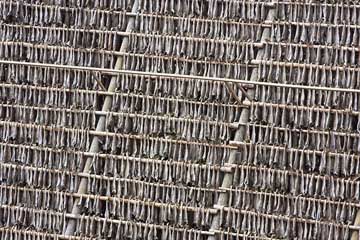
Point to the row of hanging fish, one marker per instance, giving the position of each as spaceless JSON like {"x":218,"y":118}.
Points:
{"x":148,"y":212}
{"x":284,"y":227}
{"x":206,"y":91}
{"x":154,"y":64}
{"x":32,"y":218}
{"x":122,"y":231}
{"x":303,"y":139}
{"x":151,"y":191}
{"x":170,"y":127}
{"x":36,"y":198}
{"x":35,"y":156}
{"x":113,"y":165}
{"x":325,"y":99}
{"x":324,"y":12}
{"x":17,"y":233}
{"x":152,"y":169}
{"x":186,"y":129}
{"x":318,"y":55}
{"x":176,"y":107}
{"x":104,"y":21}
{"x":47,"y":136}
{"x":76,"y":4}
{"x":294,"y":206}
{"x":333,"y":35}
{"x":197,"y":48}
{"x":313,"y":75}
{"x":22,"y":94}
{"x":94,"y":227}
{"x":113,"y":208}
{"x":197,"y":28}
{"x":137,"y":145}
{"x":305,"y":118}
{"x":235,"y":10}
{"x":40,"y":14}
{"x":54,"y":77}
{"x":20,"y":175}
{"x":46,"y":116}
{"x":89,"y":226}
{"x":56,"y":55}
{"x":77,"y":38}
{"x":304,"y":160}
{"x":85,"y":79}
{"x":296,"y":183}
{"x":99,"y":185}
{"x":134,"y":145}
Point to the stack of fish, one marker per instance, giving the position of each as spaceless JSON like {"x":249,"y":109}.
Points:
{"x":178,"y":119}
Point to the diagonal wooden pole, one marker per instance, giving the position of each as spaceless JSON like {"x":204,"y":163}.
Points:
{"x":240,"y":133}
{"x":95,"y":144}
